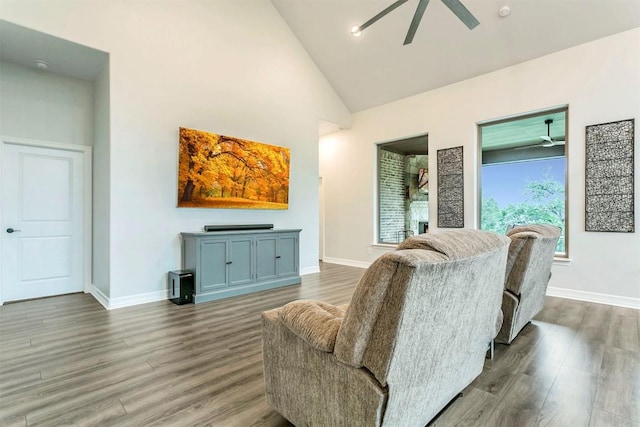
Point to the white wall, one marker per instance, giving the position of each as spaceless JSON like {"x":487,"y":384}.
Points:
{"x":230,"y":67}
{"x":599,"y":81}
{"x":41,"y":105}
{"x":101,"y":184}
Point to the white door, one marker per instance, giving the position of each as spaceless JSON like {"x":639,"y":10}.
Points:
{"x":42,"y":222}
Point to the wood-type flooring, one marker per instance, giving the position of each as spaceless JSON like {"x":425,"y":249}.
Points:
{"x":67,"y":361}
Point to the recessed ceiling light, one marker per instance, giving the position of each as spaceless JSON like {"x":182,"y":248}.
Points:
{"x":504,"y":11}
{"x":43,"y":65}
{"x":355,"y":31}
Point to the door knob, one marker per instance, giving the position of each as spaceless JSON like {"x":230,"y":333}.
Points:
{"x":12,"y":230}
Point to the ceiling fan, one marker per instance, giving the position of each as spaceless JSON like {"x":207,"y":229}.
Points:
{"x":547,"y":141}
{"x":454,"y":5}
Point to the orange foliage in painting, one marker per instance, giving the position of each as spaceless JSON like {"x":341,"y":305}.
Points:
{"x":224,"y":172}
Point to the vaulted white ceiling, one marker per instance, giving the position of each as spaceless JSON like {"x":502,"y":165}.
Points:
{"x":376,"y":68}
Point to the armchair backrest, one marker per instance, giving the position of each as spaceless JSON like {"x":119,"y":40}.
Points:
{"x":531,"y":253}
{"x":425,"y":311}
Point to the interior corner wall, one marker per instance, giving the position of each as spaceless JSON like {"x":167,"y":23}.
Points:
{"x":599,"y":81}
{"x":45,"y":106}
{"x":228,"y":67}
{"x":101,"y":184}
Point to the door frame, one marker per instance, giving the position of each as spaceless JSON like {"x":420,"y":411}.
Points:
{"x":87,"y":200}
{"x":321,"y":219}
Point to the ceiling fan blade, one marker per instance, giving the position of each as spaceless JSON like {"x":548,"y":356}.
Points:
{"x":462,"y":13}
{"x":381,"y":14}
{"x":547,"y":141}
{"x":415,"y":22}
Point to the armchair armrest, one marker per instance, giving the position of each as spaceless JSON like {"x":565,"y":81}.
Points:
{"x":315,"y":322}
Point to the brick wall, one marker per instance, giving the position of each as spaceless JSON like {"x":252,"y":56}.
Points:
{"x":392,"y":192}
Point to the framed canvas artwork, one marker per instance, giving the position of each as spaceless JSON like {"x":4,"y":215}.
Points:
{"x":450,"y":188}
{"x":218,"y":171}
{"x":609,"y":177}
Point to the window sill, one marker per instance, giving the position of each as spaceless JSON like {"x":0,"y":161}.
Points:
{"x":384,"y":245}
{"x":562,"y":261}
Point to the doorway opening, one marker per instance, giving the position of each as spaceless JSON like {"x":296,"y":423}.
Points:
{"x":46,"y":219}
{"x":403,"y":189}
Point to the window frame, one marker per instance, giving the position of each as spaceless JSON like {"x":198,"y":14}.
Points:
{"x":539,"y":113}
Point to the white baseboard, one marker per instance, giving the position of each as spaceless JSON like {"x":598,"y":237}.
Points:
{"x":112,"y":303}
{"x":348,"y":262}
{"x":99,"y":296}
{"x":309,"y":270}
{"x":120,"y":302}
{"x":616,"y":300}
{"x":595,"y":297}
{"x":138,"y":299}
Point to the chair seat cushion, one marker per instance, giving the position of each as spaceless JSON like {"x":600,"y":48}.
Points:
{"x":315,"y":322}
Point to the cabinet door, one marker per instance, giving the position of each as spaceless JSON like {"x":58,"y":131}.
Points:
{"x":213,"y":268}
{"x":266,"y":258}
{"x":287,"y":256}
{"x":240,"y":265}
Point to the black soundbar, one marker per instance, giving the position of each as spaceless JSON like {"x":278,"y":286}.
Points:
{"x":234,"y":227}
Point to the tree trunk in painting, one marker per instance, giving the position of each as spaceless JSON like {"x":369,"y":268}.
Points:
{"x":187,"y":195}
{"x":244,"y":185}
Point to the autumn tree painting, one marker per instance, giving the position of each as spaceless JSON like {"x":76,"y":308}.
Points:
{"x":217,"y":171}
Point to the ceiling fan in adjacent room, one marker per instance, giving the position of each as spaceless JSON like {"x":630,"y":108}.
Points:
{"x":546,"y":140}
{"x":454,"y":5}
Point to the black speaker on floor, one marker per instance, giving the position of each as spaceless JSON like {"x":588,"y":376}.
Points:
{"x":180,"y":286}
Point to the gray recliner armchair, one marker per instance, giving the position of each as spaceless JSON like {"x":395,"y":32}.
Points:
{"x":527,"y":275}
{"x":413,"y":337}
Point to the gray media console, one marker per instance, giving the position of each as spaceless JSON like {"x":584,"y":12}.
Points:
{"x":229,"y":263}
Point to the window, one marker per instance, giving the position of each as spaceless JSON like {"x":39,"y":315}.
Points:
{"x":523,"y":173}
{"x":403,"y":189}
